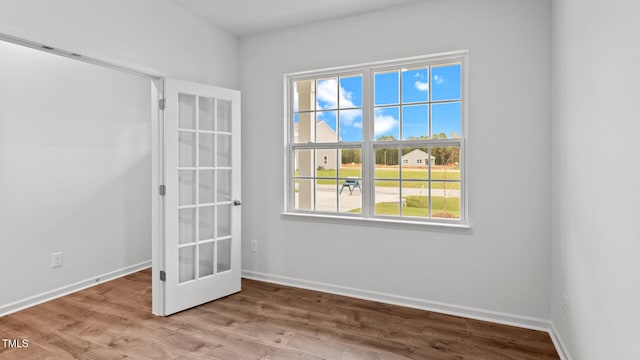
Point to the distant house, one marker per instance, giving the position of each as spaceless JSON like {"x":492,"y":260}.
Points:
{"x":417,"y":157}
{"x":325,"y":159}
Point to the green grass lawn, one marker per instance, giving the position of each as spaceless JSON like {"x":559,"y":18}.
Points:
{"x":409,"y":174}
{"x":417,"y":206}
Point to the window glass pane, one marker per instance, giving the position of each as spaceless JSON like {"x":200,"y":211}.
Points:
{"x":415,"y":198}
{"x":350,"y":91}
{"x":446,"y":120}
{"x":304,"y":194}
{"x":206,"y":118}
{"x":415,"y":85}
{"x":304,"y":128}
{"x":326,"y":161}
{"x":387,"y":197}
{"x":326,"y":126}
{"x":327,"y":94}
{"x":415,"y":163}
{"x":386,"y":163}
{"x":415,"y":122}
{"x":445,"y":82}
{"x":304,"y":162}
{"x":386,"y":88}
{"x":386,"y":123}
{"x":446,"y":163}
{"x":445,"y":200}
{"x":350,"y":195}
{"x":326,"y":195}
{"x":351,"y":125}
{"x":304,"y":98}
{"x":350,"y":163}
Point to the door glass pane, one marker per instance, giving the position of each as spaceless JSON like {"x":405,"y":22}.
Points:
{"x":206,"y":258}
{"x":224,"y":115}
{"x":224,"y":151}
{"x":186,"y":149}
{"x":186,"y":226}
{"x":206,"y":222}
{"x":224,"y":185}
{"x":186,"y":188}
{"x":224,"y":220}
{"x":224,"y":255}
{"x":186,"y":263}
{"x":207,"y":148}
{"x":207,"y":116}
{"x":206,"y":186}
{"x":186,"y":111}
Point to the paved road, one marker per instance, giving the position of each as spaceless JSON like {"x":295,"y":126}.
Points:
{"x":326,"y":196}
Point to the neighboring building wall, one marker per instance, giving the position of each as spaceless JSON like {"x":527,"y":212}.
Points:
{"x":417,"y":158}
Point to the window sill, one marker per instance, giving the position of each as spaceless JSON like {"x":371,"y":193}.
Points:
{"x":376,"y":221}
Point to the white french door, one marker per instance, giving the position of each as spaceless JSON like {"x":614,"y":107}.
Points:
{"x":202,"y":194}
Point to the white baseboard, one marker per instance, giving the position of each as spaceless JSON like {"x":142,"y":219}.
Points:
{"x":558,"y":343}
{"x":440,"y":307}
{"x":71,"y":288}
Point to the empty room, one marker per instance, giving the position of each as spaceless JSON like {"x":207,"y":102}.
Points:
{"x":334,"y":179}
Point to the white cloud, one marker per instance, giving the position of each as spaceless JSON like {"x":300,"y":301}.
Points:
{"x":438,"y":79}
{"x":384,"y":123}
{"x":421,"y":86}
{"x":328,"y":93}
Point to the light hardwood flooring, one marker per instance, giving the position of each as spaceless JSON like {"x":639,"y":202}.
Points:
{"x":264,"y":321}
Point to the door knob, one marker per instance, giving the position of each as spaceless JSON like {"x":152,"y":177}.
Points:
{"x":237,"y":202}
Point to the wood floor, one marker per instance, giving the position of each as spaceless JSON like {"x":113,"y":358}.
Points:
{"x":264,"y":321}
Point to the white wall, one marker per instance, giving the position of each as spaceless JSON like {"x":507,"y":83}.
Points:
{"x":502,"y":263}
{"x":88,"y":193}
{"x":155,"y":35}
{"x":595,"y":197}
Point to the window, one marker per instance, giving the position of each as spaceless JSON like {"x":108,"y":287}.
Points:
{"x":392,"y":133}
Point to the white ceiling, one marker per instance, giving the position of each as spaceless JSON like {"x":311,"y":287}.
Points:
{"x":243,"y":17}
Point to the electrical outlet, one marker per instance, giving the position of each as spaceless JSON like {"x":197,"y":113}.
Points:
{"x":566,"y":303}
{"x":56,"y":259}
{"x":254,"y":246}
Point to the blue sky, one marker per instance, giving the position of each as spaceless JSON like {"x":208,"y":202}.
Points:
{"x":346,"y":93}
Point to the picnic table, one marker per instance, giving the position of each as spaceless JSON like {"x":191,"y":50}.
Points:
{"x":352,"y":184}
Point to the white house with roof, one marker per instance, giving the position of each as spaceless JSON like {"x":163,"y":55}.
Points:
{"x":325,"y":159}
{"x":417,"y":157}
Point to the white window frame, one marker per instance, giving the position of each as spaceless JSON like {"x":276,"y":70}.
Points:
{"x":368,"y":145}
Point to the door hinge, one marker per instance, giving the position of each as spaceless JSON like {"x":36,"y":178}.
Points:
{"x":163,"y":190}
{"x":162,"y":103}
{"x":163,"y":275}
